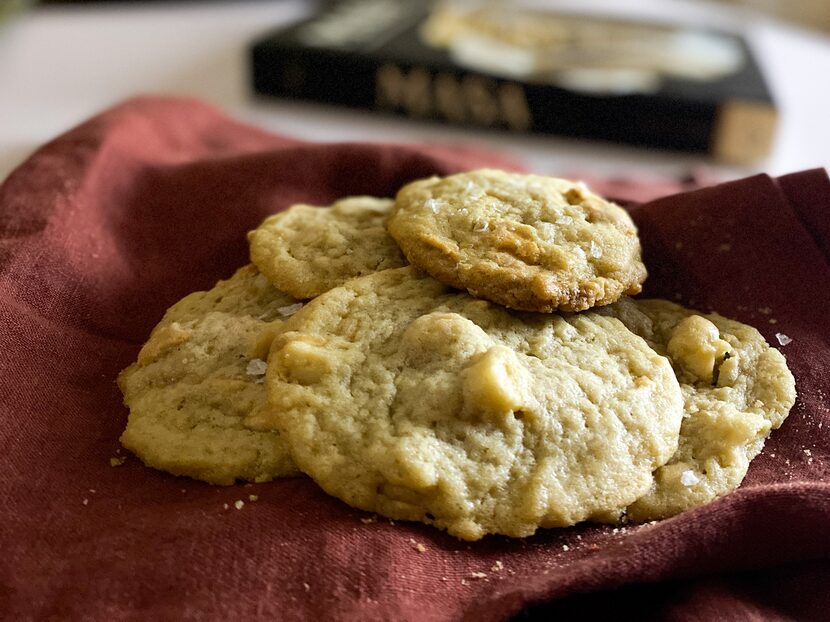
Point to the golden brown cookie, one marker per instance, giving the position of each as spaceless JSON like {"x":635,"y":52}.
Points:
{"x":403,"y":397}
{"x":525,"y":241}
{"x":736,"y":390}
{"x":196,"y":392}
{"x":307,"y":250}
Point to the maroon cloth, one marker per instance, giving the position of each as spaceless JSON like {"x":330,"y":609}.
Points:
{"x":108,"y":225}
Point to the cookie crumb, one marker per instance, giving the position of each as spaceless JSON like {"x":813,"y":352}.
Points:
{"x":225,"y":506}
{"x":253,"y":498}
{"x":256,"y":367}
{"x":306,"y":587}
{"x":497,"y":567}
{"x":772,"y":320}
{"x":463,"y":581}
{"x":783,"y":339}
{"x":117,"y":462}
{"x":239,"y":504}
{"x":369,"y":520}
{"x":565,"y":547}
{"x":92,"y":490}
{"x":86,"y":501}
{"x":478,"y":575}
{"x":764,"y":310}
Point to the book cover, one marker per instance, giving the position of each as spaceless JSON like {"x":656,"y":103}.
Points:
{"x":526,"y":70}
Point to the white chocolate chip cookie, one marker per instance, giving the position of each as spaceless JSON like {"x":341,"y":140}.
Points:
{"x":403,"y":397}
{"x":196,"y":392}
{"x":736,"y":390}
{"x":307,"y":250}
{"x":525,"y":241}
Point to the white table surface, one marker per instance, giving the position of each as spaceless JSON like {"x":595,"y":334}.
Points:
{"x":61,"y":64}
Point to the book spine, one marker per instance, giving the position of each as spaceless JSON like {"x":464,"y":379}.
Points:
{"x":465,"y":98}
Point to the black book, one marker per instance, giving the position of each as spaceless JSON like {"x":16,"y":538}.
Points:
{"x":519,"y":70}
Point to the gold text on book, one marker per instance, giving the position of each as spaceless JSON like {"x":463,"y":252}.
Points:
{"x":468,"y":99}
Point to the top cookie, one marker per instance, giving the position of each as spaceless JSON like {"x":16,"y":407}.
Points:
{"x":307,"y":250}
{"x":525,"y":241}
{"x":735,"y":388}
{"x":403,"y":397}
{"x":196,"y":391}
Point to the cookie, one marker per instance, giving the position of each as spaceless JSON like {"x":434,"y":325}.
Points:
{"x":524,"y":241}
{"x":736,"y":389}
{"x":196,"y":392}
{"x":307,"y":250}
{"x":403,"y":397}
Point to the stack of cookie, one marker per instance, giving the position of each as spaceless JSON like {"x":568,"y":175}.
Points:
{"x":502,"y":382}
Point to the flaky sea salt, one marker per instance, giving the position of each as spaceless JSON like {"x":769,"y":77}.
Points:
{"x":256,"y":367}
{"x":290,"y":309}
{"x":481,"y":227}
{"x":782,"y":338}
{"x":596,"y":251}
{"x":546,"y":229}
{"x":563,"y":220}
{"x":689,"y":478}
{"x":432,"y":205}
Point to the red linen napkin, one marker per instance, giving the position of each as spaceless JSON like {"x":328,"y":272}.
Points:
{"x":104,"y":228}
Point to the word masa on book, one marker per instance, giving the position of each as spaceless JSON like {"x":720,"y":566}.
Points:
{"x":468,"y":99}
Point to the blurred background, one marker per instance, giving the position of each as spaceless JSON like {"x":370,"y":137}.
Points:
{"x":668,"y":90}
